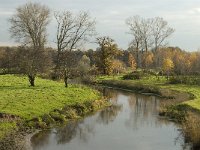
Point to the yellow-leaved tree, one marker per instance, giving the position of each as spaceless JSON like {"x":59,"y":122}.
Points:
{"x":168,"y":66}
{"x":117,"y":66}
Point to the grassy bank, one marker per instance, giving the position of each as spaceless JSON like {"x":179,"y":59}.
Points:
{"x":155,"y":84}
{"x":18,"y":101}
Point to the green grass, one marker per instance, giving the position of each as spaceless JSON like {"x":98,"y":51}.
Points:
{"x":6,"y":127}
{"x":195,"y":90}
{"x":17,"y":98}
{"x":162,"y":83}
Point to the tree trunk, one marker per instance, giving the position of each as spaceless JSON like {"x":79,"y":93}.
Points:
{"x":137,"y":55}
{"x":167,"y":75}
{"x":31,"y":79}
{"x":66,"y":79}
{"x":146,"y":46}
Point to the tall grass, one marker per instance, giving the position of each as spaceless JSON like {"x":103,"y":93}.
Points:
{"x":191,"y":129}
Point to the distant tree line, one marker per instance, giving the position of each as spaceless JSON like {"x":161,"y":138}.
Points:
{"x":184,"y":63}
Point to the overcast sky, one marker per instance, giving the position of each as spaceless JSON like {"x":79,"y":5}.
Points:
{"x":182,"y":15}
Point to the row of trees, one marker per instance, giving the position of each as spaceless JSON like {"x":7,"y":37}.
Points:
{"x":105,"y":61}
{"x":29,"y":27}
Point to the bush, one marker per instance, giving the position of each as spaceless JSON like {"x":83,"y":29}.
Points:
{"x":139,"y":74}
{"x":48,"y":119}
{"x":136,"y":75}
{"x":58,"y":117}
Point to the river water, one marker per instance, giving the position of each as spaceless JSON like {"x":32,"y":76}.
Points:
{"x":132,"y":123}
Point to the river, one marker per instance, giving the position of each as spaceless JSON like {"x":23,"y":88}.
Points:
{"x":132,"y":123}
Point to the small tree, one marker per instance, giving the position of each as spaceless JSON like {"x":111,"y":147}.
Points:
{"x":168,"y":66}
{"x":148,"y":60}
{"x":28,"y":26}
{"x":84,"y":66}
{"x":132,"y":62}
{"x":117,"y":67}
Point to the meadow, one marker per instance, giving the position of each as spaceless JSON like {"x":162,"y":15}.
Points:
{"x":19,"y":99}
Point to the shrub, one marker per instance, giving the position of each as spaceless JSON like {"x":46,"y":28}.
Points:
{"x":47,"y":119}
{"x":136,"y":75}
{"x":58,"y":117}
{"x":150,"y":72}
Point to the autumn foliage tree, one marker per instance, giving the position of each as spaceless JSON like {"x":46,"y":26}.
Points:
{"x":107,"y":52}
{"x":147,"y":60}
{"x":117,"y":66}
{"x":131,"y":61}
{"x":168,"y":66}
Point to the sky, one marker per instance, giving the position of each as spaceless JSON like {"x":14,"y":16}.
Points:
{"x":110,"y":15}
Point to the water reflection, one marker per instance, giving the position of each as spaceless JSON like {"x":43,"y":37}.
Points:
{"x":65,"y":134}
{"x":131,"y":123}
{"x":109,"y":114}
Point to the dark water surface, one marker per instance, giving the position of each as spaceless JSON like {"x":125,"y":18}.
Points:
{"x":132,"y":123}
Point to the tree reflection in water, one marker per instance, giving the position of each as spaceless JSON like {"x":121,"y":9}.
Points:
{"x":82,"y":129}
{"x":67,"y":133}
{"x":109,"y":114}
{"x":41,"y":139}
{"x":143,"y":111}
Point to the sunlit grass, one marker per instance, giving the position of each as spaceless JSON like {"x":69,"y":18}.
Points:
{"x":195,"y":90}
{"x":17,"y":98}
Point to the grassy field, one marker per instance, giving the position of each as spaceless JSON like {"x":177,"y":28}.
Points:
{"x":17,"y":98}
{"x":161,"y":82}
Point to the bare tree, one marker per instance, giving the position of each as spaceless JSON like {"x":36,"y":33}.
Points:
{"x":72,"y":31}
{"x":134,"y":24}
{"x":148,"y":34}
{"x":160,"y":31}
{"x":28,"y":26}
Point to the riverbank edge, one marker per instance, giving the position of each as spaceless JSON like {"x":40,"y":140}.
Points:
{"x":20,"y":137}
{"x":165,"y":93}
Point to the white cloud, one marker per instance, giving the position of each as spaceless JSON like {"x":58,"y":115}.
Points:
{"x":194,"y":11}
